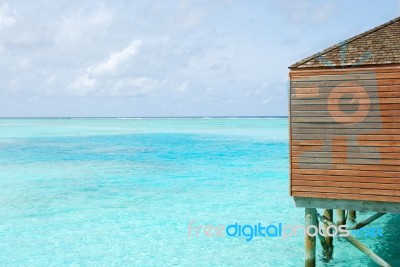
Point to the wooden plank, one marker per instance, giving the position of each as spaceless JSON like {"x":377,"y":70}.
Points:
{"x":386,"y":75}
{"x":342,"y":190}
{"x":347,"y":178}
{"x":341,"y":71}
{"x":350,"y":183}
{"x":360,"y":205}
{"x":363,"y":137}
{"x":367,"y":143}
{"x":335,"y":148}
{"x":336,"y":95}
{"x":326,"y":113}
{"x":355,"y":173}
{"x":345,"y":160}
{"x":371,"y":101}
{"x":323,"y":74}
{"x":347,"y":132}
{"x":315,"y":89}
{"x":348,"y":77}
{"x":362,"y":83}
{"x":348,"y":121}
{"x":346,"y":196}
{"x":371,"y":167}
{"x":349,"y":107}
{"x":364,"y":126}
{"x":343,"y":119}
{"x":344,"y":154}
{"x":366,"y":138}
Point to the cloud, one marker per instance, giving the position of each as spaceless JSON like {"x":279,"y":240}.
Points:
{"x":7,"y":16}
{"x":84,"y":22}
{"x":189,"y":57}
{"x":265,"y":101}
{"x":83,"y":85}
{"x":116,"y":59}
{"x":307,"y":11}
{"x":187,"y":17}
{"x":183,"y":87}
{"x":135,"y":87}
{"x":86,"y":84}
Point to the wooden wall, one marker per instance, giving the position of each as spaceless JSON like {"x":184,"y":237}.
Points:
{"x":345,"y":133}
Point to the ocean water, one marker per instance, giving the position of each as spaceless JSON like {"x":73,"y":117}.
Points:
{"x":121,"y":192}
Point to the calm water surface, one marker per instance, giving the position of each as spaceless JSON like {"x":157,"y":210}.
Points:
{"x":121,"y":192}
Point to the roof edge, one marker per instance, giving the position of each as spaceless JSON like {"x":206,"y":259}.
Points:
{"x":305,"y":60}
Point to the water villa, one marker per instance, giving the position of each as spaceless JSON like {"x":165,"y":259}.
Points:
{"x":345,"y":133}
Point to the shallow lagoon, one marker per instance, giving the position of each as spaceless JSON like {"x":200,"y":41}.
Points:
{"x":121,"y":192}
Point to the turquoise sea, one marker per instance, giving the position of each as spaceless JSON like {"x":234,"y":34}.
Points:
{"x":121,"y":192}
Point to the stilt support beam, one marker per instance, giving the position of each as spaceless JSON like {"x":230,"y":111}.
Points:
{"x":310,"y":219}
{"x":367,"y":221}
{"x":378,"y":260}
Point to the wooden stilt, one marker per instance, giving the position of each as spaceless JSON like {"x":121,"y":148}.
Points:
{"x":324,"y":245}
{"x":310,"y":220}
{"x":341,"y":217}
{"x":352,"y":215}
{"x":328,"y":213}
{"x":358,"y":245}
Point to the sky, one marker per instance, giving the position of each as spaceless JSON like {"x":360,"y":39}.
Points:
{"x":165,"y":58}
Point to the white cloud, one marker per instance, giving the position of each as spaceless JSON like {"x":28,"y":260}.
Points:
{"x":86,"y":84}
{"x":116,"y":59}
{"x":83,"y":85}
{"x":92,"y":54}
{"x":134,"y":87}
{"x":307,"y":11}
{"x":83,"y":22}
{"x":183,"y":87}
{"x":7,"y":16}
{"x":187,"y":17}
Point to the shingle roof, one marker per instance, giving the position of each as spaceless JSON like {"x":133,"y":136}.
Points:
{"x":381,"y":45}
